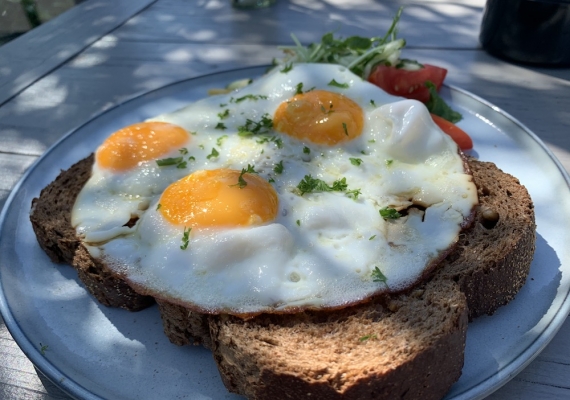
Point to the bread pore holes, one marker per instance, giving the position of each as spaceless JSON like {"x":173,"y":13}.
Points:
{"x":489,"y":217}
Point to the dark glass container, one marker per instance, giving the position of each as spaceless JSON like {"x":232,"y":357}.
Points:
{"x":528,"y":31}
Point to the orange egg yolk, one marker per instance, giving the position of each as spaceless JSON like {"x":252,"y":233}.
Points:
{"x":215,"y":198}
{"x":321,"y":117}
{"x":144,"y":141}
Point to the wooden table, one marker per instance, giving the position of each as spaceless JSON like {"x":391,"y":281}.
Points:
{"x":102,"y":52}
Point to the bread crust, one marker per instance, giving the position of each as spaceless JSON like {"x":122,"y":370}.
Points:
{"x":51,"y":220}
{"x":493,"y":257}
{"x":416,"y":339}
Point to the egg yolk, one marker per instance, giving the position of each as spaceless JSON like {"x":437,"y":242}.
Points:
{"x":215,"y":198}
{"x":144,"y":141}
{"x":321,"y":117}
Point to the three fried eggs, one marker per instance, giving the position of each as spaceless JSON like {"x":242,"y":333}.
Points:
{"x":308,"y":188}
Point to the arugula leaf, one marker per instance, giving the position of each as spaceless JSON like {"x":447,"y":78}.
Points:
{"x":436,"y":105}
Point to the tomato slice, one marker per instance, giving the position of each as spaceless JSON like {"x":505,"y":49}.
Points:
{"x":458,"y":135}
{"x":408,"y":84}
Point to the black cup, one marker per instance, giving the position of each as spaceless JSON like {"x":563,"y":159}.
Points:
{"x":528,"y":31}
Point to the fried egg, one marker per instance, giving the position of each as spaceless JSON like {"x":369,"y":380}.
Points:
{"x":308,"y":189}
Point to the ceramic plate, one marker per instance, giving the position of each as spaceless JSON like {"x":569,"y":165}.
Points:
{"x":92,"y":351}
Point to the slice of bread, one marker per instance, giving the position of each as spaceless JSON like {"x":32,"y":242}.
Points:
{"x":51,"y":221}
{"x":408,"y":345}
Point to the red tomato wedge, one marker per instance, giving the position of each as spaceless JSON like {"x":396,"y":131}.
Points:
{"x":408,"y":84}
{"x":458,"y":135}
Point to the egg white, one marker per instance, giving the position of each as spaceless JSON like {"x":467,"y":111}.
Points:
{"x":322,"y":248}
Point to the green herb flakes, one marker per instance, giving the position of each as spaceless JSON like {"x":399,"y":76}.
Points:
{"x":378,"y":276}
{"x":339,"y":85}
{"x":185,"y":238}
{"x":214,"y":154}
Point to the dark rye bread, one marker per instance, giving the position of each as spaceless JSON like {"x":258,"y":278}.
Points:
{"x":51,"y":221}
{"x":492,"y":259}
{"x":408,"y":345}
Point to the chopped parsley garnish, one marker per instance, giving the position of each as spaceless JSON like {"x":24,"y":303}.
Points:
{"x":248,"y":97}
{"x":213,"y":154}
{"x":256,"y":128}
{"x":389,"y":213}
{"x":338,"y":84}
{"x":191,"y":158}
{"x":298,"y":222}
{"x":266,"y":139}
{"x":366,"y":337}
{"x":373,"y":103}
{"x":271,"y":180}
{"x":345,"y":128}
{"x":185,"y":238}
{"x":183,"y":151}
{"x":221,"y":139}
{"x":299,"y":88}
{"x":223,"y":104}
{"x":193,"y":133}
{"x":312,"y":185}
{"x":355,"y":161}
{"x":278,"y":169}
{"x":353,"y":193}
{"x":389,"y":162}
{"x":287,"y":68}
{"x":372,"y":237}
{"x":225,"y":114}
{"x":165,"y":162}
{"x":306,"y":150}
{"x":241,"y":181}
{"x":43,"y":348}
{"x":221,"y":126}
{"x":378,"y":276}
{"x":325,"y":111}
{"x":158,"y":206}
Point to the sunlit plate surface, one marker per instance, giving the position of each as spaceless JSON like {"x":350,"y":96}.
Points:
{"x":92,"y":351}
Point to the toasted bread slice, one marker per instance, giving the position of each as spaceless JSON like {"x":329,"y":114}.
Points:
{"x":492,"y":259}
{"x":51,"y":221}
{"x":408,"y":345}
